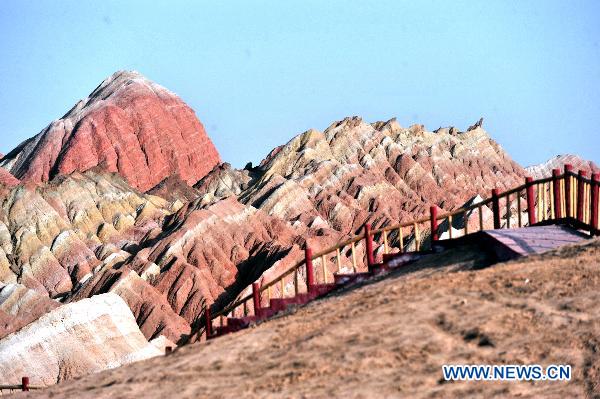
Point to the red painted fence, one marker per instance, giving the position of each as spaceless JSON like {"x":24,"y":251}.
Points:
{"x":24,"y":386}
{"x":566,"y":198}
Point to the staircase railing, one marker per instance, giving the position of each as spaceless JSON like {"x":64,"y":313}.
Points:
{"x":568,"y":197}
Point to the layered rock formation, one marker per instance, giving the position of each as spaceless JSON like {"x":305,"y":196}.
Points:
{"x":76,"y":339}
{"x":205,"y":254}
{"x":87,"y":234}
{"x":204,"y":230}
{"x":354,"y":172}
{"x":128,"y":125}
{"x":59,"y":238}
{"x":326,"y":185}
{"x":54,"y":237}
{"x":558,"y":162}
{"x":392,"y":172}
{"x":91,"y":233}
{"x":7,"y":179}
{"x":20,"y":306}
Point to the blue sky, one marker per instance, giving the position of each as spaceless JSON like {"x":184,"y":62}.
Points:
{"x":258,"y":73}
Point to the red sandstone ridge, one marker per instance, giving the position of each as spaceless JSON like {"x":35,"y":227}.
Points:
{"x":7,"y":179}
{"x":127,"y":125}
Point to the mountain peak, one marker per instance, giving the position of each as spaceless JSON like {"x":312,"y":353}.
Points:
{"x":122,"y":79}
{"x":122,"y":82}
{"x":129,"y":125}
{"x":545,"y":169}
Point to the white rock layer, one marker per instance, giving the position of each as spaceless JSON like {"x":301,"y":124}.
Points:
{"x":76,"y":339}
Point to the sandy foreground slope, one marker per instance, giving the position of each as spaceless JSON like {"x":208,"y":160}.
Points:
{"x":390,"y":338}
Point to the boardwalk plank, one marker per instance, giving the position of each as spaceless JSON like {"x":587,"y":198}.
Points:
{"x":536,"y":239}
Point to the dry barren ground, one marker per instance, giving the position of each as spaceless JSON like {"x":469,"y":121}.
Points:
{"x":390,"y":338}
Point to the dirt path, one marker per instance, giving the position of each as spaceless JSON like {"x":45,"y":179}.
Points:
{"x":390,"y":338}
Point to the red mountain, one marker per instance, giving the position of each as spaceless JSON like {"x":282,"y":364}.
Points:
{"x":128,"y":125}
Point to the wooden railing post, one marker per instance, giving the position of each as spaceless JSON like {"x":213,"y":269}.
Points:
{"x":496,"y":208}
{"x":434,"y":224}
{"x":310,"y":274}
{"x":369,"y":246}
{"x":580,"y":194}
{"x":256,"y":299}
{"x":557,"y":199}
{"x":594,"y":203}
{"x":530,"y":200}
{"x":207,"y":322}
{"x":25,"y":384}
{"x":568,"y":169}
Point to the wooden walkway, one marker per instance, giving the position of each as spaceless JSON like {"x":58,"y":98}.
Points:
{"x":514,"y":243}
{"x":504,"y":244}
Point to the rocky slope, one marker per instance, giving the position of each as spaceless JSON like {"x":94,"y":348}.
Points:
{"x":20,"y":306}
{"x":91,"y":233}
{"x":394,"y":173}
{"x":58,"y":238}
{"x":390,"y":339}
{"x":128,"y":125}
{"x":7,"y":179}
{"x":558,"y":162}
{"x":355,"y":172}
{"x":55,"y":236}
{"x":328,"y":184}
{"x":76,"y":339}
{"x":87,"y":234}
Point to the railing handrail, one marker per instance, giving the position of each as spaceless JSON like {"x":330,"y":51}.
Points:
{"x":20,"y":386}
{"x":460,"y":211}
{"x":338,"y":246}
{"x":442,"y":216}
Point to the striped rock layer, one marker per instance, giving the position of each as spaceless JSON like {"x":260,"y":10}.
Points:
{"x":127,"y":125}
{"x":91,"y":233}
{"x":73,"y":340}
{"x":7,"y":179}
{"x":558,"y":162}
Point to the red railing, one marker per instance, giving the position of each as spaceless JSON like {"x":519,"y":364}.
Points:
{"x":23,"y":386}
{"x":568,"y":197}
